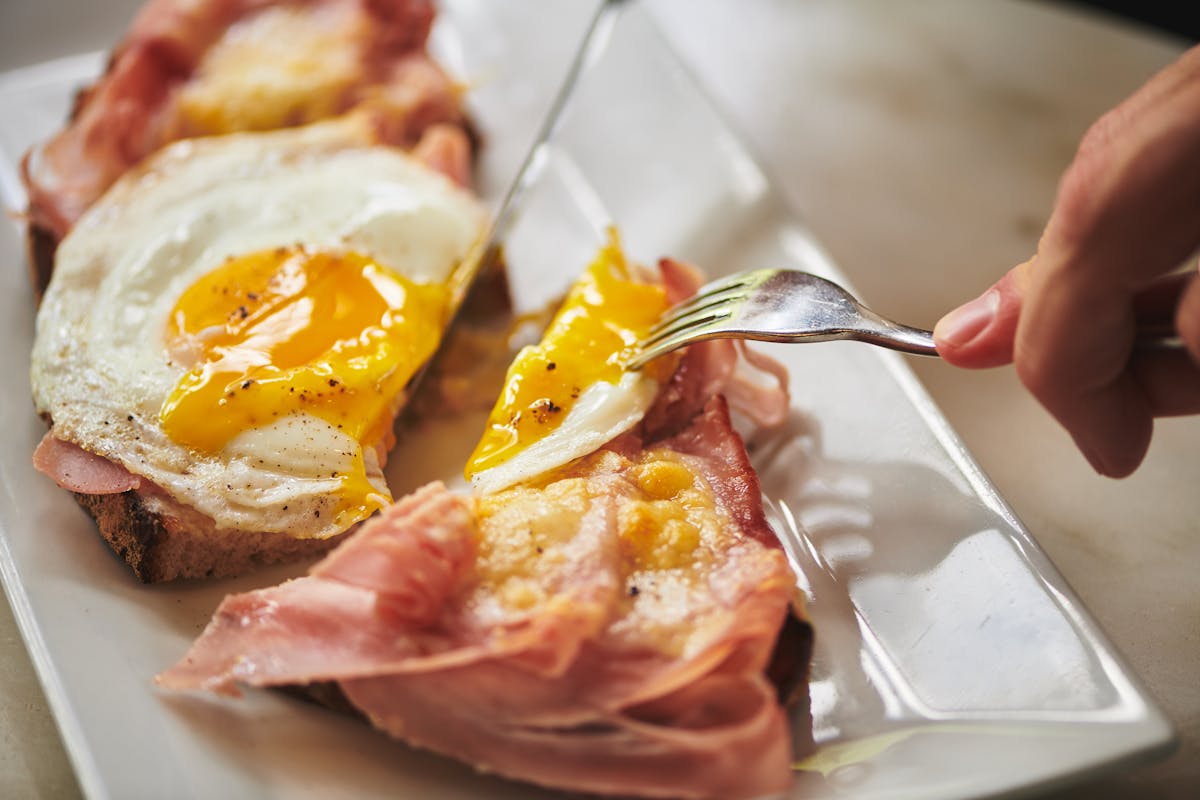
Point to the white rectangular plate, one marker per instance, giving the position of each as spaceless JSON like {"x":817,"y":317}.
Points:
{"x":952,"y":661}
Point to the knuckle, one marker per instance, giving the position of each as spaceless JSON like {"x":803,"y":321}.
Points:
{"x":1098,"y":141}
{"x":1081,"y":186}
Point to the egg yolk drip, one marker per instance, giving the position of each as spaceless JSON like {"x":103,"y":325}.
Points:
{"x":333,"y":335}
{"x":590,"y":340}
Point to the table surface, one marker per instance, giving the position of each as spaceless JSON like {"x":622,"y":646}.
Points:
{"x":922,"y":143}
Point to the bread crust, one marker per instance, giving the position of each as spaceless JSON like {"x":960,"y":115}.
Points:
{"x":40,"y":245}
{"x":162,"y":540}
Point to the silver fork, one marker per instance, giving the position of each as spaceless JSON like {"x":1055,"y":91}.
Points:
{"x":777,"y":305}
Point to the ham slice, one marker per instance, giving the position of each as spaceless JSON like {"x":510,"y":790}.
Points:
{"x":415,"y":564}
{"x":76,"y":469}
{"x":188,"y":68}
{"x":607,"y":630}
{"x":354,"y":589}
{"x":755,"y":385}
{"x":446,"y":149}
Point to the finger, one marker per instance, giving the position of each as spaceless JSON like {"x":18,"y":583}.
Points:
{"x":1124,"y":215}
{"x":1187,"y":317}
{"x":1112,"y":428}
{"x":1098,"y":381}
{"x":1158,"y":90}
{"x":1136,"y":172}
{"x":1114,"y":187}
{"x":980,"y":333}
{"x":1157,"y":304}
{"x":1072,"y":351}
{"x":1169,"y":380}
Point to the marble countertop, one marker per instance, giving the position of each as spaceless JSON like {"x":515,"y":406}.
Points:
{"x":922,"y":143}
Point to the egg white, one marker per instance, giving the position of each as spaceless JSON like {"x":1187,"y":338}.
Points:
{"x":99,"y":366}
{"x":602,"y":412}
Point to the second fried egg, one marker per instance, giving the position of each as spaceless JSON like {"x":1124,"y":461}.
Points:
{"x":571,"y":393}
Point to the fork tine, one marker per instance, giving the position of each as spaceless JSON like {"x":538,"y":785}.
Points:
{"x":697,"y":318}
{"x":687,"y":323}
{"x":660,"y":348}
{"x":711,"y":300}
{"x":737,"y":280}
{"x":714,"y":293}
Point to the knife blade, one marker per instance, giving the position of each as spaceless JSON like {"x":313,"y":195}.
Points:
{"x":488,"y":248}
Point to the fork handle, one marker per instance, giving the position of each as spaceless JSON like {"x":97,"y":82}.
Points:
{"x":918,"y":341}
{"x":895,"y":336}
{"x":1159,"y":335}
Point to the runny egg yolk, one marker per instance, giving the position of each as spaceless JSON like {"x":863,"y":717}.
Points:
{"x":266,"y":335}
{"x":590,"y":340}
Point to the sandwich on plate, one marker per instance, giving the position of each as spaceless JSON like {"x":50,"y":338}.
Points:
{"x":606,"y":611}
{"x":245,"y":235}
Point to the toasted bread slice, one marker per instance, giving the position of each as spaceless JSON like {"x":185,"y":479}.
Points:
{"x":163,"y":541}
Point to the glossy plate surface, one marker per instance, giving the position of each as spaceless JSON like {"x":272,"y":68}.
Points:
{"x":952,"y":660}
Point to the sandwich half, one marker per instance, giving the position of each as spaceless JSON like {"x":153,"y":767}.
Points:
{"x":246,"y":232}
{"x":619,"y":619}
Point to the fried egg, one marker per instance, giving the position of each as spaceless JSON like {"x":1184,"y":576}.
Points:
{"x":237,"y":321}
{"x":571,"y":393}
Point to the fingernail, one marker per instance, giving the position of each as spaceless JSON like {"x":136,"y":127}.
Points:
{"x":968,"y":321}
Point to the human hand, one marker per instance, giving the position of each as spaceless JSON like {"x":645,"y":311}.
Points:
{"x":1126,"y":217}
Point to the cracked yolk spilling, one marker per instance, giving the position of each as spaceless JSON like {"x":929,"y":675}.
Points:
{"x":589,"y":342}
{"x":292,"y":330}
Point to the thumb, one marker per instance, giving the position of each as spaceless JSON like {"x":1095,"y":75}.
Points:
{"x":980,"y":333}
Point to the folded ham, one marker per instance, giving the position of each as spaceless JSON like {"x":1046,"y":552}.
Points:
{"x":608,"y":629}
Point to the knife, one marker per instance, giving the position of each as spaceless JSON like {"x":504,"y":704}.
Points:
{"x":488,"y":248}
